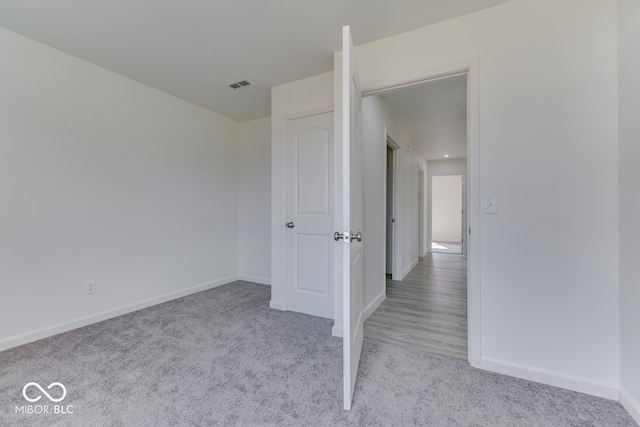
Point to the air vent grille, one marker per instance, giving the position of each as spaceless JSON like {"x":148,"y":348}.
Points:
{"x":240,"y":84}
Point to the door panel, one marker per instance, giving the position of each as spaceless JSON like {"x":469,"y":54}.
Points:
{"x":349,"y":180}
{"x":309,"y":176}
{"x":313,"y":146}
{"x":313,"y":259}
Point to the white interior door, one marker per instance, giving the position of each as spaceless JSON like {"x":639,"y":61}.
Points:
{"x":309,"y":226}
{"x":349,"y":215}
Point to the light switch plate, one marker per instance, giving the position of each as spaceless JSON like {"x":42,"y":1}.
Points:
{"x":491,"y":205}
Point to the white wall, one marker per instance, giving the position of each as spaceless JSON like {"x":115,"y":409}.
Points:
{"x":374,"y":146}
{"x":548,"y":93}
{"x":444,"y":167}
{"x":255,"y":201}
{"x":629,"y":158}
{"x":410,"y":161}
{"x":378,"y":120}
{"x":104,"y":178}
{"x":446,"y":198}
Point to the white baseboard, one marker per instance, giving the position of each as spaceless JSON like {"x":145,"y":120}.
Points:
{"x":630,"y":404}
{"x":368,"y":310}
{"x":586,"y":385}
{"x":409,"y":268}
{"x":336,"y":331}
{"x":108,"y":314}
{"x":277,"y":305}
{"x":254,"y":279}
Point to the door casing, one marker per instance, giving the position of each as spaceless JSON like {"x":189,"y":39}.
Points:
{"x":470,"y":68}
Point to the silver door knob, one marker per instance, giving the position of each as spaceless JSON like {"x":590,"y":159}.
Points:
{"x":290,"y":224}
{"x":347,"y":236}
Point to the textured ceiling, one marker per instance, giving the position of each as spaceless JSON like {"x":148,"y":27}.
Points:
{"x":194,"y":49}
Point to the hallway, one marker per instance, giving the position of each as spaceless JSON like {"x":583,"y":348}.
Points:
{"x":427,"y":311}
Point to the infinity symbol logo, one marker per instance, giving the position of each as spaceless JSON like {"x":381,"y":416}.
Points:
{"x":64,"y":392}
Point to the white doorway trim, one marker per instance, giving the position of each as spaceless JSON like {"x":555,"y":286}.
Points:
{"x":421,"y":222}
{"x":396,"y":251}
{"x":432,"y":208}
{"x":278,"y":210}
{"x":471,"y":69}
{"x":429,"y":207}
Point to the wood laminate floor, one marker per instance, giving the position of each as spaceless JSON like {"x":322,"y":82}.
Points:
{"x":446,"y":247}
{"x":426,"y":311}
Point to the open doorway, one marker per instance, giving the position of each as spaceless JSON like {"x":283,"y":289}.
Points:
{"x":423,"y":118}
{"x":390,"y":219}
{"x":392,"y":236}
{"x":446,"y":214}
{"x":421,"y":213}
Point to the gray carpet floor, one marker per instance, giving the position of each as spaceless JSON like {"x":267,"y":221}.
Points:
{"x":222,"y":357}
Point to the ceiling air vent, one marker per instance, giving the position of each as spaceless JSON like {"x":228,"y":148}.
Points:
{"x":239,"y":85}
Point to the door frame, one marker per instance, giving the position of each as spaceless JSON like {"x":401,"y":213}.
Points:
{"x":470,"y":68}
{"x":421,"y":215}
{"x":463,"y":222}
{"x":289,"y":174}
{"x":279,"y":260}
{"x":396,"y":260}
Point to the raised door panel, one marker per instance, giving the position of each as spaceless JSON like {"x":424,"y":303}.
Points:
{"x":312,"y":260}
{"x":312,"y":147}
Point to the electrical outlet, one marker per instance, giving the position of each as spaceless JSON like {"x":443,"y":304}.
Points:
{"x":90,"y":287}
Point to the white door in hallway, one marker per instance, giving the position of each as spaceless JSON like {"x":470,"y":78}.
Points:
{"x":309,"y":209}
{"x":349,"y":259}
